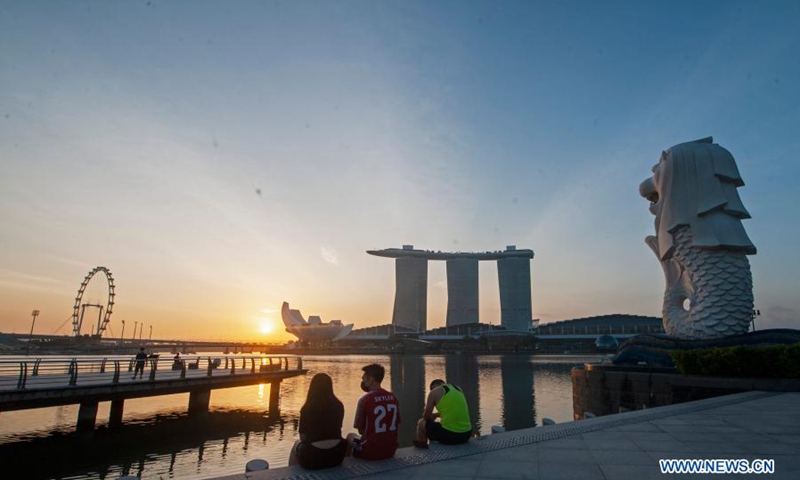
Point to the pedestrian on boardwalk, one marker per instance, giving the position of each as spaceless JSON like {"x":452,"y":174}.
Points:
{"x":321,"y":444}
{"x":141,"y":358}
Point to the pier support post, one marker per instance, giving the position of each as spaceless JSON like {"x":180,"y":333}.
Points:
{"x":87,"y":416}
{"x":198,"y":402}
{"x":274,"y":399}
{"x":115,"y":416}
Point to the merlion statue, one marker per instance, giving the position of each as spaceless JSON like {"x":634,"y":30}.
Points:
{"x":700,"y":241}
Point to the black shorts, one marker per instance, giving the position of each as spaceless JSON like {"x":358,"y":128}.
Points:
{"x":437,"y":432}
{"x":314,"y":458}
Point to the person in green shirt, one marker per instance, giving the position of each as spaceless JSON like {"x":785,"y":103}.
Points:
{"x":454,"y":425}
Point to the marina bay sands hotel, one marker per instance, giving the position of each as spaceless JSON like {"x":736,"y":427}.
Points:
{"x":411,"y":295}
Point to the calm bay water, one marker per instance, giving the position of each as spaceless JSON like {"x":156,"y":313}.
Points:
{"x":158,"y":440}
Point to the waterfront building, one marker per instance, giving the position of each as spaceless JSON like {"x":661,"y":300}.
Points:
{"x":594,"y":333}
{"x":313,"y":329}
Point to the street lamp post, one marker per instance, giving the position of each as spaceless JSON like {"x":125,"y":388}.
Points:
{"x":753,"y":316}
{"x":151,"y":334}
{"x":134,"y":330}
{"x":140,"y":331}
{"x":122,"y":335}
{"x":34,"y":314}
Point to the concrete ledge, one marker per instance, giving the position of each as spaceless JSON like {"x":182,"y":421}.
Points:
{"x":603,"y":389}
{"x":410,"y":457}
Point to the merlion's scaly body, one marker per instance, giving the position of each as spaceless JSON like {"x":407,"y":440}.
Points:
{"x":718,"y":285}
{"x":700,"y":241}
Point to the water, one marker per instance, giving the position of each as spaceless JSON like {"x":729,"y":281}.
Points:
{"x":158,"y":440}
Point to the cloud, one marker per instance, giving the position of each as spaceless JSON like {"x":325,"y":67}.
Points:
{"x":269,"y":310}
{"x":329,"y":255}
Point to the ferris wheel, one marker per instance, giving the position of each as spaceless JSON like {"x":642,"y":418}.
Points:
{"x":79,"y":308}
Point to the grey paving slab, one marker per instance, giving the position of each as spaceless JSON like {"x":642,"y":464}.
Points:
{"x":421,"y":475}
{"x":621,"y":457}
{"x":719,"y":437}
{"x":570,"y":471}
{"x":504,"y":468}
{"x":624,"y":444}
{"x":662,"y":447}
{"x":401,"y":474}
{"x":770,"y":448}
{"x":629,"y":472}
{"x":564,"y":444}
{"x":650,"y":437}
{"x":614,"y":447}
{"x":704,"y":428}
{"x":638,"y":427}
{"x":670,"y":421}
{"x":718,"y":447}
{"x":695,"y":419}
{"x":786,"y":462}
{"x":465,"y":466}
{"x":785,"y":438}
{"x":604,"y":436}
{"x":527,"y":453}
{"x":566,"y":456}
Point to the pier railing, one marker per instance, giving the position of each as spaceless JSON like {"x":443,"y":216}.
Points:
{"x":20,"y":373}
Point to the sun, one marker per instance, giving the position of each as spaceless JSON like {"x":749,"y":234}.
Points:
{"x":266,"y":327}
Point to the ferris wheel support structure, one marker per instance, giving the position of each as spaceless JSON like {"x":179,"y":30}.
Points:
{"x":77,"y":311}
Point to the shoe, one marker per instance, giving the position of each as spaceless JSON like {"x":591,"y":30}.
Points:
{"x":422,"y":445}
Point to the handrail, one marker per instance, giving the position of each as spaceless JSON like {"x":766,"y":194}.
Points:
{"x":26,"y":373}
{"x":23,"y":375}
{"x":116,"y":372}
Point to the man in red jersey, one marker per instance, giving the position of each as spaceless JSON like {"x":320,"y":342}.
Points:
{"x":377,"y":418}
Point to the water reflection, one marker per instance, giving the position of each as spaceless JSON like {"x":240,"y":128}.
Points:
{"x":519,"y":409}
{"x":159,"y":440}
{"x":408,"y":384}
{"x":130,"y":448}
{"x":462,"y":370}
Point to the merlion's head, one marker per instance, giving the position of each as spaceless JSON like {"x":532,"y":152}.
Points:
{"x":695,"y":184}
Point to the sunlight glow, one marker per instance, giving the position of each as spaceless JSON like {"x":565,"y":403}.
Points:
{"x":266,"y":327}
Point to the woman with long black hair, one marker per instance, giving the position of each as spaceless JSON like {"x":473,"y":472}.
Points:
{"x":321,"y":444}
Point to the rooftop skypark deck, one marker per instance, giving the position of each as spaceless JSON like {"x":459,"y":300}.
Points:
{"x":409,"y":251}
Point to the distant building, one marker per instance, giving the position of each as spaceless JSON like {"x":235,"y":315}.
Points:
{"x":313,"y":329}
{"x":619,"y":325}
{"x":582,"y":335}
{"x":599,"y":332}
{"x":411,"y":284}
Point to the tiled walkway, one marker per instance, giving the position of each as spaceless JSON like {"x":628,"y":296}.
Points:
{"x":752,"y":425}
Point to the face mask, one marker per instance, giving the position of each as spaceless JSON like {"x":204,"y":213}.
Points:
{"x":364,"y":386}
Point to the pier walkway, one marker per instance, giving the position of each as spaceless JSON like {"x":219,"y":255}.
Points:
{"x":46,"y":382}
{"x":751,"y":425}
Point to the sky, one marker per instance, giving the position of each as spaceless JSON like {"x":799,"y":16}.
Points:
{"x":223,"y":157}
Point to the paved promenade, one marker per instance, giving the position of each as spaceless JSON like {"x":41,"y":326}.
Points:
{"x":752,"y":425}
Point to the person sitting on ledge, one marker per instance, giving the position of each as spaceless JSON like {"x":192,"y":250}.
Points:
{"x":455,"y":426}
{"x":377,"y":418}
{"x":321,"y":444}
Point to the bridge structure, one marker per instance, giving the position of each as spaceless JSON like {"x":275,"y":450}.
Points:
{"x":411,"y":294}
{"x":28,"y":382}
{"x":94,"y":344}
